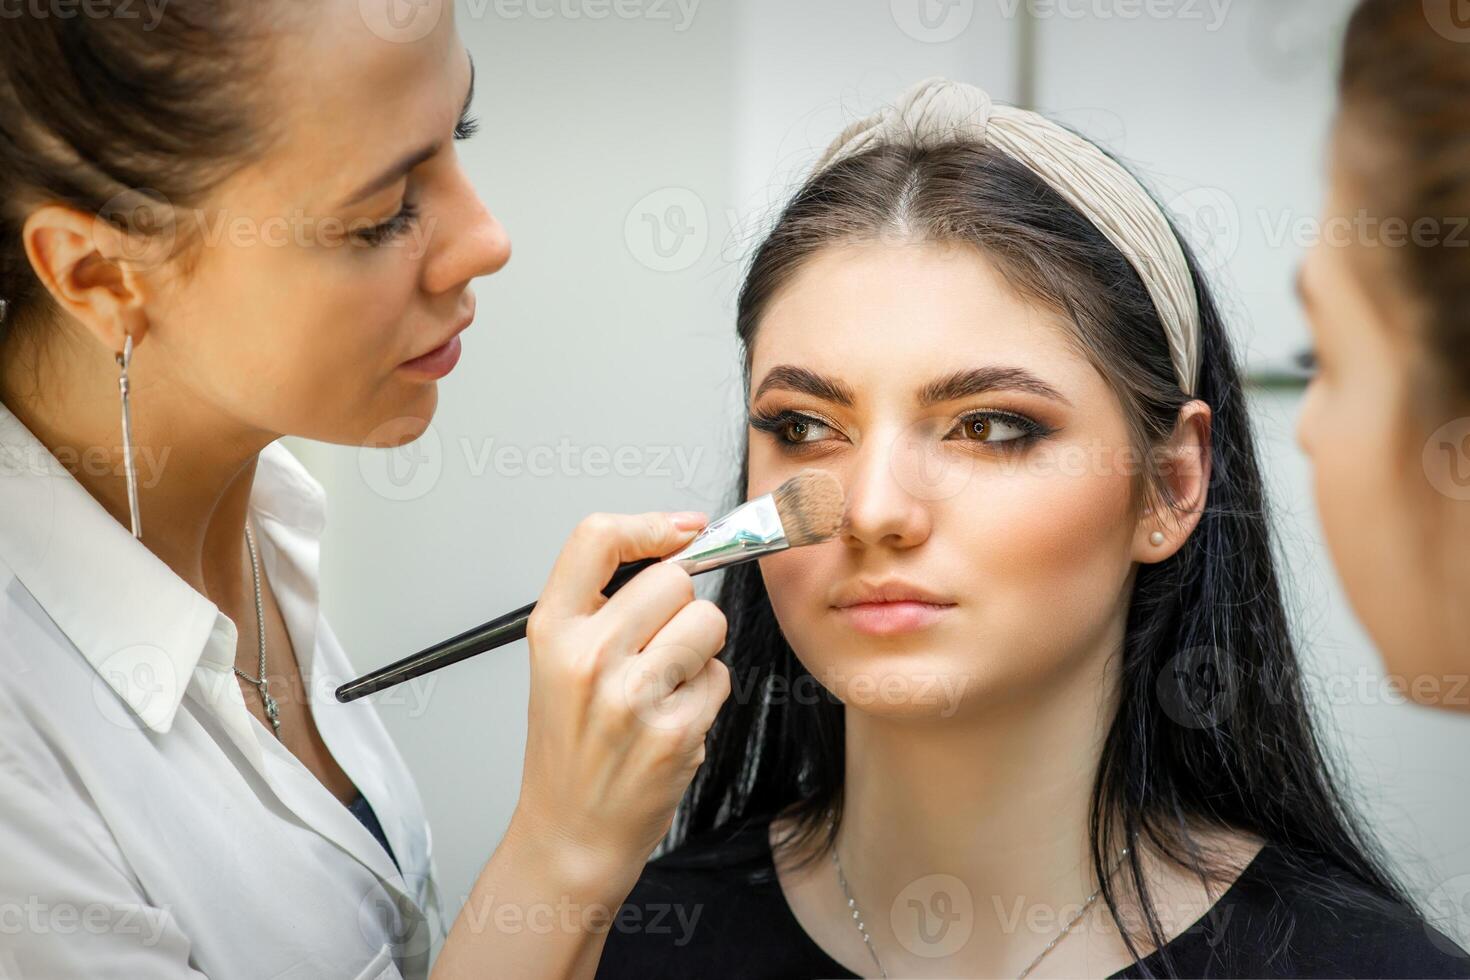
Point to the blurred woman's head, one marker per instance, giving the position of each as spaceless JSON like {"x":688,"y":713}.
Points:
{"x":264,"y":195}
{"x":990,"y":376}
{"x":1387,"y":291}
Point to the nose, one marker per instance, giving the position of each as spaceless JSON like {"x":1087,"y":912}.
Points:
{"x":470,"y":241}
{"x":881,"y":511}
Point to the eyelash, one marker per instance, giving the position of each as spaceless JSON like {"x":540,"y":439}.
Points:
{"x":380,"y":234}
{"x":1032,"y":431}
{"x":1306,"y":359}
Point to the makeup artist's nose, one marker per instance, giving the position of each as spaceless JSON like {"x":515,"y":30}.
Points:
{"x":881,"y":512}
{"x":468,"y":242}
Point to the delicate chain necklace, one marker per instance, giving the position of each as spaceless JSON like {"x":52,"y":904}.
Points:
{"x":261,"y":684}
{"x":857,"y":916}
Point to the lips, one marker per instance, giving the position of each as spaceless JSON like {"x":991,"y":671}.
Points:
{"x":459,"y":328}
{"x":888,"y":591}
{"x":891,"y":607}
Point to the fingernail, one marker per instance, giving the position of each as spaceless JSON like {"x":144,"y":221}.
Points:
{"x":689,"y":520}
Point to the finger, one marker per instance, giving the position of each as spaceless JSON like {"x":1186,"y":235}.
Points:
{"x":598,"y":545}
{"x":636,"y":612}
{"x":680,"y":651}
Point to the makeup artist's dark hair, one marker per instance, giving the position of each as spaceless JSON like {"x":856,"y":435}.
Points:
{"x":1405,"y":86}
{"x":122,"y":110}
{"x":1214,"y":609}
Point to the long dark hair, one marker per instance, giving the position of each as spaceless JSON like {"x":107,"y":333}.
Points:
{"x":1248,"y":758}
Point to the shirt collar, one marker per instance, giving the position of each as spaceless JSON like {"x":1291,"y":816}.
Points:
{"x":141,"y":626}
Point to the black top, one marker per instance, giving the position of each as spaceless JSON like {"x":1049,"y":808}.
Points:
{"x":363,"y":810}
{"x":714,"y":908}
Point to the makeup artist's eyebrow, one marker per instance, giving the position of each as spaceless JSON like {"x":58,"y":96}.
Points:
{"x":977,"y":381}
{"x":410,"y":160}
{"x":788,"y":377}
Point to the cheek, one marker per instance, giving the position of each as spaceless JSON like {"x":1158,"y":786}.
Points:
{"x":320,"y":331}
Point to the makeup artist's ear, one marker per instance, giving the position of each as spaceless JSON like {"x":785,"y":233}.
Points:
{"x":1184,"y":463}
{"x":93,"y":270}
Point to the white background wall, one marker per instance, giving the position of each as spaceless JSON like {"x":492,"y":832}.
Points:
{"x":634,"y":158}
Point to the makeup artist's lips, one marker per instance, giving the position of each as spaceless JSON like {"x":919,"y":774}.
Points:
{"x":890,"y":608}
{"x":442,"y":359}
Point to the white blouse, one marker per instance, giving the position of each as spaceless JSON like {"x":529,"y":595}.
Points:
{"x":151,"y":826}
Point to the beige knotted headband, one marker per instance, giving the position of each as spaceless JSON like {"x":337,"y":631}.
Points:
{"x":937,"y":111}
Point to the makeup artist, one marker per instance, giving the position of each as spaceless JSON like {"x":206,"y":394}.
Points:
{"x":180,"y":794}
{"x":1387,"y":292}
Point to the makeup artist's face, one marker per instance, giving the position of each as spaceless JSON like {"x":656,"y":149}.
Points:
{"x":331,"y":266}
{"x":1385,"y":482}
{"x":987,"y":471}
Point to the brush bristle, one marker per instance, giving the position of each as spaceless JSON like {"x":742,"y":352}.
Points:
{"x":811,"y":505}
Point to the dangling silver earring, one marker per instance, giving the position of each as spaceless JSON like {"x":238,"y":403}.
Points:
{"x":123,"y":361}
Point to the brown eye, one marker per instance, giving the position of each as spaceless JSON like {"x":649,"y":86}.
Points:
{"x":999,"y":428}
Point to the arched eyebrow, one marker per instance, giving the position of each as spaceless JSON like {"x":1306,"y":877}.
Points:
{"x":951,"y":387}
{"x":409,"y":160}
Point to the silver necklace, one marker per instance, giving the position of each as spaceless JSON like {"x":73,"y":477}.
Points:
{"x":261,"y":684}
{"x":857,"y":916}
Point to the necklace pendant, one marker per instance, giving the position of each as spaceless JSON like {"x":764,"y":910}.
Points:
{"x":270,"y":709}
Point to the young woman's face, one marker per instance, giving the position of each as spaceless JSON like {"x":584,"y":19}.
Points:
{"x":1386,"y":491}
{"x":988,"y":473}
{"x":299,"y":319}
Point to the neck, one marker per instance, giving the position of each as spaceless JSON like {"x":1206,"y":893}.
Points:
{"x":194,"y":467}
{"x":997,"y":796}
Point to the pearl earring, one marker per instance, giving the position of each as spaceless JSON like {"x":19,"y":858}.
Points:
{"x":1156,"y":539}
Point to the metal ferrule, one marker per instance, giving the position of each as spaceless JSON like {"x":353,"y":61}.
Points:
{"x":749,"y":531}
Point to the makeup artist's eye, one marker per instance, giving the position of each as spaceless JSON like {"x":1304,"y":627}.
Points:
{"x":1306,"y":361}
{"x":381,"y":234}
{"x":999,"y":427}
{"x":790,"y":428}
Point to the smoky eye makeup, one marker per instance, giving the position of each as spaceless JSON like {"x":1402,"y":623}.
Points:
{"x":987,"y":429}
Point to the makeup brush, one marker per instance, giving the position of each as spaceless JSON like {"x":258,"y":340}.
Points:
{"x":806,"y":509}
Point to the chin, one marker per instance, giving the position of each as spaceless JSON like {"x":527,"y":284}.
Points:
{"x":899,"y":678}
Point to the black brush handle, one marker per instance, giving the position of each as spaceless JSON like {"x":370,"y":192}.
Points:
{"x":487,"y":636}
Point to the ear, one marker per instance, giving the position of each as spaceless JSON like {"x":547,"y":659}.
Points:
{"x":93,"y":270}
{"x":1184,"y":466}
